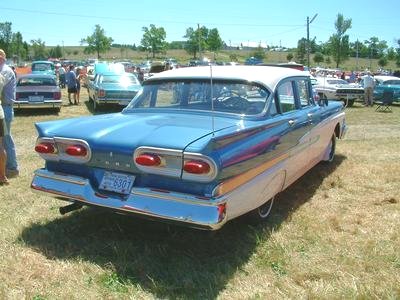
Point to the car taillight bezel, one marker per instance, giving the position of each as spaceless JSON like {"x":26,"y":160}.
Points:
{"x":172,"y":164}
{"x":79,"y":150}
{"x":170,"y":161}
{"x":207,"y":175}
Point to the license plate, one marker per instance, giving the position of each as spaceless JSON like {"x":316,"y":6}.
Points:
{"x":117,"y":182}
{"x":35,"y":98}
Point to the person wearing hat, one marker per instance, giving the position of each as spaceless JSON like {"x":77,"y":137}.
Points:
{"x":369,"y":84}
{"x":7,"y":101}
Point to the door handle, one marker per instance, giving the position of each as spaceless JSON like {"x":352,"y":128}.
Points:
{"x":291,"y":122}
{"x":309,"y":115}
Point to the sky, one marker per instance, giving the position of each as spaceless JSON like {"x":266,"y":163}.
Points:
{"x":275,"y":23}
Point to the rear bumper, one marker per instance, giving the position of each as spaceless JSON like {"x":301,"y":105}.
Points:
{"x":123,"y":102}
{"x":45,"y":104}
{"x":166,"y":206}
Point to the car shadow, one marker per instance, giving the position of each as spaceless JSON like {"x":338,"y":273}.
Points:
{"x":29,"y":112}
{"x":167,"y":261}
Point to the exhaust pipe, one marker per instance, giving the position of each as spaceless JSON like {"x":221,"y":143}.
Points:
{"x":71,"y":207}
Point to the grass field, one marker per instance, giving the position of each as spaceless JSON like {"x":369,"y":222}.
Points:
{"x":333,"y":234}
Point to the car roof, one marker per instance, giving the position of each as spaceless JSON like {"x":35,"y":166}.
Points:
{"x":43,"y":62}
{"x":110,"y":73}
{"x":266,"y":75}
{"x":386,"y":77}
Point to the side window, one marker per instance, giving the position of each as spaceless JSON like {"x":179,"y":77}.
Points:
{"x":286,"y":97}
{"x":304,"y":93}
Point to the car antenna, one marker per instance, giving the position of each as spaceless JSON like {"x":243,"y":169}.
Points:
{"x":212,"y":102}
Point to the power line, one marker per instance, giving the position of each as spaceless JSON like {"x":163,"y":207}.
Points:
{"x":142,"y":20}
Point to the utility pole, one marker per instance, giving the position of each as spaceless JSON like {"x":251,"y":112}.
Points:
{"x":308,"y":38}
{"x":198,"y":33}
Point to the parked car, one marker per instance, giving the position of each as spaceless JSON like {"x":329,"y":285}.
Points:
{"x":198,"y":146}
{"x":384,"y":84}
{"x":338,"y":89}
{"x":43,"y":67}
{"x":38,"y":91}
{"x":113,"y":88}
{"x":253,"y":61}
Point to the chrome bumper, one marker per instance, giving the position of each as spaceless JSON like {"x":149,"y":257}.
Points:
{"x":162,"y":205}
{"x":45,"y":104}
{"x":123,"y":102}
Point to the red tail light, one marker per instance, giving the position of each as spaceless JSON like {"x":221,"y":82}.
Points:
{"x":57,"y":95}
{"x":45,"y":148}
{"x":102,"y":93}
{"x":76,"y":150}
{"x":196,"y":167}
{"x":148,"y":159}
{"x":221,"y":211}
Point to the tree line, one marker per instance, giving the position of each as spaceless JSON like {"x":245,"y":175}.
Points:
{"x":338,"y":48}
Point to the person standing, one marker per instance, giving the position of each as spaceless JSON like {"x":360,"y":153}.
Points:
{"x":70,"y":77}
{"x":61,"y":76}
{"x":3,"y":154}
{"x":7,"y":102}
{"x":78,"y":84}
{"x":369,"y":84}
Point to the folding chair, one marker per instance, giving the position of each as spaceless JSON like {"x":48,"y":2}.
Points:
{"x":387,"y":100}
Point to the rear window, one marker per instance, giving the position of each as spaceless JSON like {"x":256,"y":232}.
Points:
{"x":42,"y":67}
{"x":37,"y":81}
{"x":235,"y":97}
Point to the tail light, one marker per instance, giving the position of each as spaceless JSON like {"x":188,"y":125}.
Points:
{"x":148,"y":159}
{"x":102,"y":93}
{"x":76,"y":150}
{"x":17,"y":96}
{"x":175,"y":163}
{"x":221,"y":211}
{"x":63,"y":149}
{"x":45,"y":148}
{"x":196,"y":167}
{"x":57,"y":95}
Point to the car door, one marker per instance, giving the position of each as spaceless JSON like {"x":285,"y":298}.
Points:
{"x":295,"y":138}
{"x":311,"y":113}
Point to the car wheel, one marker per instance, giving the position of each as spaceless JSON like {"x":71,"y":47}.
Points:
{"x":261,"y":213}
{"x":331,"y":149}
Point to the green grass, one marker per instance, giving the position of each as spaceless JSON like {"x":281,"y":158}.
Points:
{"x":333,"y":234}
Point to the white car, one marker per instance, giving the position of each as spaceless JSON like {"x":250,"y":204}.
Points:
{"x":338,"y":89}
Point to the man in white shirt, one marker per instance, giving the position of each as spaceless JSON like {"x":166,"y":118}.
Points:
{"x":369,"y":84}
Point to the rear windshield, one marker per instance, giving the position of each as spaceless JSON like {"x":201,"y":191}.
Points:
{"x":30,"y":81}
{"x":235,"y":97}
{"x":42,"y":67}
{"x":126,"y":79}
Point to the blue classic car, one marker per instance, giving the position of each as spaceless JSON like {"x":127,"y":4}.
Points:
{"x":387,"y":84}
{"x":197,"y":146}
{"x":113,"y":88}
{"x":43,"y":67}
